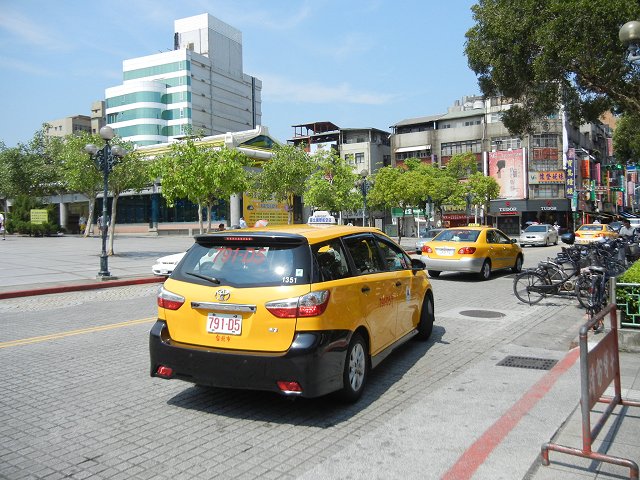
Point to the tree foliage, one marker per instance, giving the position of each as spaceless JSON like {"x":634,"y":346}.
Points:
{"x":330,"y":186}
{"x":544,"y":53}
{"x":284,"y":176}
{"x":200,"y":173}
{"x":78,"y":171}
{"x":626,"y":138}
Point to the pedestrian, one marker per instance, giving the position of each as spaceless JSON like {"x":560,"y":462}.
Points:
{"x":103,"y":224}
{"x":596,"y":221}
{"x":2,"y":229}
{"x":627,"y":231}
{"x":221,"y":227}
{"x":82,"y":223}
{"x":243,"y":224}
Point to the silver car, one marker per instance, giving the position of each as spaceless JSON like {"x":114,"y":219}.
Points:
{"x":540,"y":234}
{"x":426,"y":237}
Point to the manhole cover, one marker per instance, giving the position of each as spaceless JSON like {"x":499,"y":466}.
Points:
{"x":482,"y":314}
{"x":527,"y":362}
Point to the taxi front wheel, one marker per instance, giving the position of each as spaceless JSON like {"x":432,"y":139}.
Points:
{"x":427,"y":317}
{"x":356,"y":369}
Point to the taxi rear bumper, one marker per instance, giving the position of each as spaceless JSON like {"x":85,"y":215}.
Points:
{"x":315,"y":360}
{"x":465,"y":264}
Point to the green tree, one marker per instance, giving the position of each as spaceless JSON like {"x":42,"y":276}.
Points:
{"x":626,"y":138}
{"x":483,"y":189}
{"x":544,"y":53}
{"x":284,"y":176}
{"x":131,"y":172}
{"x":201,"y":173}
{"x":395,"y":187}
{"x":77,"y":169}
{"x":330,"y":186}
{"x":462,"y":165}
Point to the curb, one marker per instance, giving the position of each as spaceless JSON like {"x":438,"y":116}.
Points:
{"x":80,"y":287}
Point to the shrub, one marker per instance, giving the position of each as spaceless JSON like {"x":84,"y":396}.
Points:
{"x":628,"y":295}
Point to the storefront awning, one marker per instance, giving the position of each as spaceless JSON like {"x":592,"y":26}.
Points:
{"x":416,"y":148}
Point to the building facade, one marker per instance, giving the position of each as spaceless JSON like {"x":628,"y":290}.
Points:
{"x":552,"y":175}
{"x":69,"y":125}
{"x":198,"y":87}
{"x":365,"y":149}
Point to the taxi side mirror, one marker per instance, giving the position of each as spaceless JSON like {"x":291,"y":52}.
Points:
{"x":417,"y":264}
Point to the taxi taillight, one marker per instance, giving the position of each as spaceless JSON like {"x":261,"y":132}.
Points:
{"x":309,"y":305}
{"x":427,"y":249}
{"x":169,"y":300}
{"x":467,"y":250}
{"x":289,"y":387}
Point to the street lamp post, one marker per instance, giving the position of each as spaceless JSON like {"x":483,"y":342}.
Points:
{"x":105,"y":158}
{"x":364,"y":185}
{"x":629,"y":35}
{"x":468,"y":198}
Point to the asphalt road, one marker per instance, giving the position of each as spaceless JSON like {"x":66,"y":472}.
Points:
{"x":78,"y":402}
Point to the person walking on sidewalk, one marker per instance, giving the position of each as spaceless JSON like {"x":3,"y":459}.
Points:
{"x":3,"y":230}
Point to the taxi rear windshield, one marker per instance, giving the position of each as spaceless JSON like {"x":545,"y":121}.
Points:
{"x":457,"y":235}
{"x":246,"y":265}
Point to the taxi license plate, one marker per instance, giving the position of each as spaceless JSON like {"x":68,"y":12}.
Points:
{"x":445,"y":252}
{"x":224,"y":323}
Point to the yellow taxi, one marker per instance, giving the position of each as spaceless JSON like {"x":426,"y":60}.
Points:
{"x":594,"y":232}
{"x":301,"y":310}
{"x":475,"y":249}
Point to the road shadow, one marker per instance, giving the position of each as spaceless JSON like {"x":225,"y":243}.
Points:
{"x":322,"y":412}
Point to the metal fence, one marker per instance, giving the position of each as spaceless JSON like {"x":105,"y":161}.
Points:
{"x":627,"y":299}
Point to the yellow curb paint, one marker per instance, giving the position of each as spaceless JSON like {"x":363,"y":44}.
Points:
{"x":82,"y":331}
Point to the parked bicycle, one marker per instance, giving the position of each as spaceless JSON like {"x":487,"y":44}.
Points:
{"x":550,"y":277}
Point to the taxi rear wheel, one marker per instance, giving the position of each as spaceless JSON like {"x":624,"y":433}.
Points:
{"x":356,"y":369}
{"x":427,"y":317}
{"x":485,"y":271}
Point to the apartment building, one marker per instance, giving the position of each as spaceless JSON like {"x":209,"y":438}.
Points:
{"x":365,"y":149}
{"x":198,"y":87}
{"x":552,"y":174}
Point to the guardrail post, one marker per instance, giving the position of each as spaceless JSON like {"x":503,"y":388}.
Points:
{"x":598,"y":368}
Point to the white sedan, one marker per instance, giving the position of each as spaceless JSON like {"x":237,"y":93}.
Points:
{"x":540,"y":234}
{"x":164,"y":265}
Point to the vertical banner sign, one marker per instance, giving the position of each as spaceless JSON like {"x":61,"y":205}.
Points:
{"x":571,"y":172}
{"x":507,"y":168}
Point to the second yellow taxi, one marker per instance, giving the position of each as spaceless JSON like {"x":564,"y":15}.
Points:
{"x":475,"y":249}
{"x":594,"y":232}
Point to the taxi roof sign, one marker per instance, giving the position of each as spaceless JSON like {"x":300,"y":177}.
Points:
{"x":321,"y":218}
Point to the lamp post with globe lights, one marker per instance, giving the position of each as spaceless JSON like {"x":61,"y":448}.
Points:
{"x":105,"y":158}
{"x":629,"y":35}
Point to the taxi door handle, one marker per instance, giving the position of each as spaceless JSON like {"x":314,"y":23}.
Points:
{"x":365,"y":289}
{"x":398,"y":283}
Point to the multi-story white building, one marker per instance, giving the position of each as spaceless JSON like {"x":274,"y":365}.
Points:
{"x":199,"y":87}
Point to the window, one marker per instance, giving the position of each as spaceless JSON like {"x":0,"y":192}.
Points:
{"x":359,"y":158}
{"x":546,"y":191}
{"x":451,"y":148}
{"x":349,"y":159}
{"x":395,"y":258}
{"x":545,"y":140}
{"x":364,"y":253}
{"x":506,"y":143}
{"x":424,"y":153}
{"x":331,"y":261}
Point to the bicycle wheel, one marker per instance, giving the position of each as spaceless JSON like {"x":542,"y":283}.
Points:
{"x":525,"y":287}
{"x":588,"y":291}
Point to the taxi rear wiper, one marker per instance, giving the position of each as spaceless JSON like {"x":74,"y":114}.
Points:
{"x":204,"y":277}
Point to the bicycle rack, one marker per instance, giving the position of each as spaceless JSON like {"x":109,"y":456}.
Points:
{"x":598,"y":368}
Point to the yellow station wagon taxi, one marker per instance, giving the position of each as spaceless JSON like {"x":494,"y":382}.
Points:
{"x":477,"y":249}
{"x":302,"y":310}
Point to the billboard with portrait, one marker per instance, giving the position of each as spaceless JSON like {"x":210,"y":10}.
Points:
{"x":507,"y":168}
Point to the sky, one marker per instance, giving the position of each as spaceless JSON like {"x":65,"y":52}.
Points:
{"x":356,"y":63}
